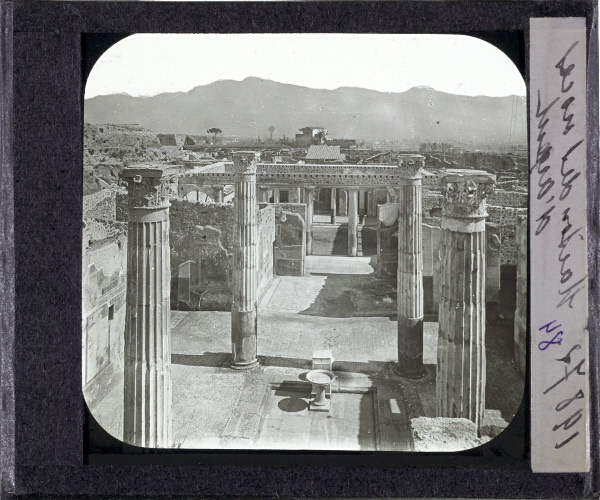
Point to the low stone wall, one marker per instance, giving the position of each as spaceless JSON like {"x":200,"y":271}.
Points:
{"x":104,"y":272}
{"x":520,"y":331}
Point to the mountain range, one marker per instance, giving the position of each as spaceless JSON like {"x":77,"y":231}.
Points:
{"x":247,"y":108}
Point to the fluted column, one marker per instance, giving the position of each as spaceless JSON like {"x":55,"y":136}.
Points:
{"x":410,"y":270}
{"x":352,"y":221}
{"x":276,"y":195}
{"x":309,"y":199}
{"x":245,"y":263}
{"x":333,"y":205}
{"x":147,"y":363}
{"x":461,"y":341}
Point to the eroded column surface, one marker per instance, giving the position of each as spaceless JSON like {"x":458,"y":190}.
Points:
{"x":410,"y":270}
{"x":461,"y":341}
{"x":352,"y":222}
{"x":245,"y":263}
{"x":309,"y":199}
{"x":147,"y":363}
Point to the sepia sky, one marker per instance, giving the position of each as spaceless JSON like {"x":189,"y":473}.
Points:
{"x":145,"y":65}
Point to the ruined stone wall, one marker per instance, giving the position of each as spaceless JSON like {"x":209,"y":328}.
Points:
{"x":387,"y":240}
{"x":290,"y":239}
{"x":266,"y":239}
{"x":100,"y":205}
{"x":504,"y":209}
{"x":185,"y":216}
{"x":504,"y":198}
{"x":507,"y":219}
{"x":296,"y":208}
{"x":430,"y":200}
{"x":201,"y":238}
{"x":520,"y":327}
{"x":104,"y":269}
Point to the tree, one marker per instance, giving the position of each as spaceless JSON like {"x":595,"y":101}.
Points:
{"x":321,"y":135}
{"x":214,"y":131}
{"x":271,"y":130}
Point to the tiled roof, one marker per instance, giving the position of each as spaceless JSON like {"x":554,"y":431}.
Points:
{"x":323,"y":153}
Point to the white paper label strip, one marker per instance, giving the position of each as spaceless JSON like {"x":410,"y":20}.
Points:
{"x":558,"y":246}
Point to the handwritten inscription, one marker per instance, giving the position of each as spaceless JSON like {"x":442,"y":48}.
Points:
{"x":568,"y":176}
{"x":575,"y":417}
{"x":558,"y":242}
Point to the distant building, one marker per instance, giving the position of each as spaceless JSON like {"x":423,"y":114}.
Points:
{"x":323,"y":154}
{"x":310,"y":134}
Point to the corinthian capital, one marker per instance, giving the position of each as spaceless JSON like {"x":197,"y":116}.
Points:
{"x":409,"y":166}
{"x":150,"y":186}
{"x":465,"y":192}
{"x":244,"y":162}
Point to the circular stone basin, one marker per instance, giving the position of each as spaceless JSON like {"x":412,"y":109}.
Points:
{"x":320,"y":377}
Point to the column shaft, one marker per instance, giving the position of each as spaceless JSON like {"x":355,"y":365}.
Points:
{"x":147,"y":364}
{"x":352,"y":222}
{"x":244,"y":308}
{"x":410,"y":279}
{"x":461,"y":342}
{"x":147,"y":341}
{"x":333,"y":205}
{"x":309,"y":200}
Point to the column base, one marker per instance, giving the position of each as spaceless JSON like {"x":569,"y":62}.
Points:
{"x":410,"y":369}
{"x":247,"y":365}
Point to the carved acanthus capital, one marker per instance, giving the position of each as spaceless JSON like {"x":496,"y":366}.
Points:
{"x":465,"y":192}
{"x":244,"y":162}
{"x":150,"y":186}
{"x":409,"y":166}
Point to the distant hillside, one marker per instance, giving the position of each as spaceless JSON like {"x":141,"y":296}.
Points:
{"x":249,"y":107}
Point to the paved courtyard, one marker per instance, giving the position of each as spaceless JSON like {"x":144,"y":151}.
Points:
{"x":339,"y":305}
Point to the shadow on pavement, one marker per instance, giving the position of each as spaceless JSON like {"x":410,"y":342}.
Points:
{"x":354,"y":295}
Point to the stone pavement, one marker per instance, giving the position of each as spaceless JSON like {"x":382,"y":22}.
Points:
{"x":338,"y":306}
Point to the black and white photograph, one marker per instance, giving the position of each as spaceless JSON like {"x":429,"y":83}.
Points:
{"x":304,"y":242}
